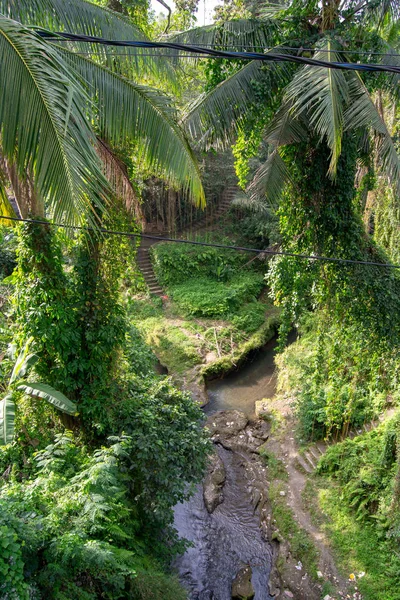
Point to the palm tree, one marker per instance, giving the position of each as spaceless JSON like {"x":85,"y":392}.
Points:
{"x":56,"y":103}
{"x":316,"y":103}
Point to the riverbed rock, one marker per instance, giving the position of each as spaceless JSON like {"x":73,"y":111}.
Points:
{"x":226,"y":423}
{"x":213,"y":483}
{"x":242,"y":588}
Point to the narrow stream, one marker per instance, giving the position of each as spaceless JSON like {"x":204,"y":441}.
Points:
{"x":230,"y":537}
{"x":241,"y":389}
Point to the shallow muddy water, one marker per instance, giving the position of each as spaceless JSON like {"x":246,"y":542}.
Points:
{"x":241,"y":389}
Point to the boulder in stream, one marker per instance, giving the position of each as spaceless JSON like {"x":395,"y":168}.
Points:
{"x":226,"y":423}
{"x":213,"y":483}
{"x":242,"y":588}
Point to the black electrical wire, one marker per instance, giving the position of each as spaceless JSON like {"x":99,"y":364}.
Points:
{"x":270,"y":57}
{"x":346,"y":261}
{"x":289,"y":48}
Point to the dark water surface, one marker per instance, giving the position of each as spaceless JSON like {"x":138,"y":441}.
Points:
{"x":224,"y":541}
{"x":230,"y":537}
{"x":241,"y":389}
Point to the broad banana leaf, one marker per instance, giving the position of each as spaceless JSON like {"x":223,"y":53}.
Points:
{"x":7,"y":417}
{"x":23,"y":362}
{"x":54,"y":397}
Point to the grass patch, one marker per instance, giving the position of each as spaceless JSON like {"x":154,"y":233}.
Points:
{"x":301,"y":545}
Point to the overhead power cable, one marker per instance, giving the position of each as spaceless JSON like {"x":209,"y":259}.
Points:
{"x":345,"y":261}
{"x":268,"y":57}
{"x":246,"y":47}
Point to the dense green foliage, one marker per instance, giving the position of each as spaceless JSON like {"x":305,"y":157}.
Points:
{"x":89,"y":514}
{"x":357,"y":495}
{"x":176,"y":263}
{"x":71,"y":529}
{"x":198,"y":298}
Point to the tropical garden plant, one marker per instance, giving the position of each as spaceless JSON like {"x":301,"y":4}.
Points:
{"x":23,"y":364}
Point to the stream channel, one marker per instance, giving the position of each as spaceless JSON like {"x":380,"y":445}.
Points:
{"x":229,"y":538}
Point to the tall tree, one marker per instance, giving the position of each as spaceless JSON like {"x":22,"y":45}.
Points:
{"x":55,"y":101}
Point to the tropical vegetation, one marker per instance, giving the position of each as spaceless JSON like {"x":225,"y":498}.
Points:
{"x":88,"y":135}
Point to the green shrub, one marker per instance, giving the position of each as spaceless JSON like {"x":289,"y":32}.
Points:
{"x":176,"y":263}
{"x":79,"y":526}
{"x":208,"y":298}
{"x":340,"y":380}
{"x":365,"y":468}
{"x":250,"y":317}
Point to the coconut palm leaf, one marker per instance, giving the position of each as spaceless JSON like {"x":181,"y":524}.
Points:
{"x":270,"y":179}
{"x":78,"y":16}
{"x":286,"y":127}
{"x":54,"y":397}
{"x":377,"y":12}
{"x":361,"y":113}
{"x":7,"y":418}
{"x":43,"y":127}
{"x":238,"y":35}
{"x":273,"y":10}
{"x":268,"y":182}
{"x":126,"y":112}
{"x":323,"y":94}
{"x":84,"y":17}
{"x":216,"y":117}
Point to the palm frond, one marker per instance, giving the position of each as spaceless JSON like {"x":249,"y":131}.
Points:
{"x":128,"y":112}
{"x":379,"y":12}
{"x":268,"y":182}
{"x":77,"y":16}
{"x":42,"y":124}
{"x":84,"y":17}
{"x":363,"y":113}
{"x":286,"y":127}
{"x":273,"y":10}
{"x":322,"y":94}
{"x":237,"y":35}
{"x":214,"y":118}
{"x":270,"y":179}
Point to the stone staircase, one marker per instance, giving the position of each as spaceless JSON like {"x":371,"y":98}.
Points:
{"x":143,"y":256}
{"x":309,"y":460}
{"x":146,"y":268}
{"x":224,"y":205}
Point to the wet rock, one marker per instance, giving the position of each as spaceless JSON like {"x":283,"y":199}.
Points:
{"x":213,"y":483}
{"x":242,"y":588}
{"x":226,"y":423}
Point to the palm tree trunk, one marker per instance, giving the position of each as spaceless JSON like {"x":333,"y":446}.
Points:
{"x":23,"y":189}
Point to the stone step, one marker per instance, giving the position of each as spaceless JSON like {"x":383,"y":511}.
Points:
{"x":321,"y":447}
{"x":315,"y":453}
{"x":310,"y":459}
{"x":303,"y":465}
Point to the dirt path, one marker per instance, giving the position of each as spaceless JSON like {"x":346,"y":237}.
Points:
{"x":284,"y":447}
